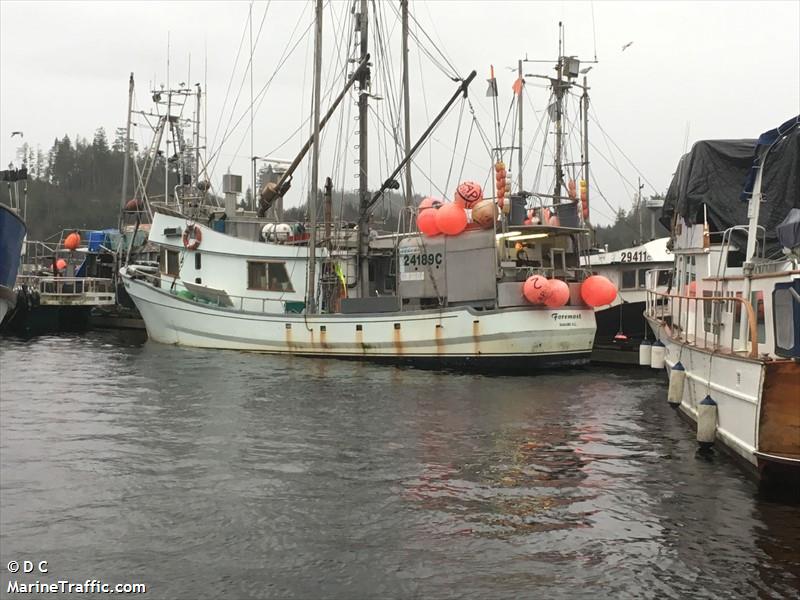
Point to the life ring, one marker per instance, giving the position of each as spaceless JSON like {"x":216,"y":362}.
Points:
{"x":192,"y":236}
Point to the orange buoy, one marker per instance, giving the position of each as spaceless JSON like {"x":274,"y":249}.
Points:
{"x":584,"y":199}
{"x":72,"y":241}
{"x":691,"y":289}
{"x":61,"y":264}
{"x":558,"y":293}
{"x":536,"y":289}
{"x":468,"y":193}
{"x":484,"y":213}
{"x":571,"y":190}
{"x":451,"y":219}
{"x":598,"y":291}
{"x":426,"y":221}
{"x":133,"y":205}
{"x":429,"y":202}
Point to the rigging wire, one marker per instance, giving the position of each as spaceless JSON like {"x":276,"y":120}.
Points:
{"x":230,"y":83}
{"x":595,"y":120}
{"x":261,"y":94}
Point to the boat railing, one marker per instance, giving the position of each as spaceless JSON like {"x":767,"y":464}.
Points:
{"x":217,"y":298}
{"x":525,"y":271}
{"x":708,"y":322}
{"x":75,"y":290}
{"x":726,"y":244}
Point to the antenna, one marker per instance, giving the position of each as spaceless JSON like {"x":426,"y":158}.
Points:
{"x":167,"y":59}
{"x":686,"y":138}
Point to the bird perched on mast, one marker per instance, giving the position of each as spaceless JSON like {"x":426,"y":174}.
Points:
{"x":19,"y":133}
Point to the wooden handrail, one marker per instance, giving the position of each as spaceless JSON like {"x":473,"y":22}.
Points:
{"x":748,"y":308}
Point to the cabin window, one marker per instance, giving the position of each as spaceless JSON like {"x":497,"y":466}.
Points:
{"x":197,"y":260}
{"x":642,"y":278}
{"x":757,"y":301}
{"x":737,"y":316}
{"x":628,"y":280}
{"x":786,"y":319}
{"x":171,"y":263}
{"x":268,"y":276}
{"x":664,"y":278}
{"x":711,"y":313}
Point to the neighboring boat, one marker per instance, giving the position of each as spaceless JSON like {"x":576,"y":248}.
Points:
{"x":231,"y":279}
{"x":12,"y":235}
{"x":172,"y":132}
{"x":60,"y":282}
{"x":621,"y":327}
{"x":730,"y":322}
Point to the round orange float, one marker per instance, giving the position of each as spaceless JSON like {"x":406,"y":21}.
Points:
{"x":598,"y":291}
{"x":536,"y":289}
{"x":451,"y":219}
{"x":72,"y":241}
{"x":558,"y":293}
{"x":468,"y":193}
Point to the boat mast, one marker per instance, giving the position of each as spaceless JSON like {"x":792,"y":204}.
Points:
{"x":585,"y":99}
{"x":127,"y":146}
{"x":406,"y":101}
{"x":252,"y":151}
{"x":519,"y":123}
{"x":559,"y":93}
{"x":312,"y":198}
{"x":197,"y":138}
{"x":363,"y":109}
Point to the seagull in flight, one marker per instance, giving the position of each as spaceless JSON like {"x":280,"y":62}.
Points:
{"x":19,"y":133}
{"x":626,"y":46}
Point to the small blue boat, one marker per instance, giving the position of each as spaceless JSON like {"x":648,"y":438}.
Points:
{"x":12,"y":234}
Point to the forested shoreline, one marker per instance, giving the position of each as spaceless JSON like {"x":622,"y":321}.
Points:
{"x":78,"y":184}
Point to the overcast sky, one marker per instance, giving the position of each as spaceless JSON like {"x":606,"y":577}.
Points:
{"x":720,"y":69}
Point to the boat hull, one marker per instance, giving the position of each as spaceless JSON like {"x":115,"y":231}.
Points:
{"x":5,"y":302}
{"x":12,"y":235}
{"x":758,"y":415}
{"x":516,"y":339}
{"x":30,"y":321}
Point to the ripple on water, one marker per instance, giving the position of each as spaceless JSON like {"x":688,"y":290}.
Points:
{"x":222,"y":474}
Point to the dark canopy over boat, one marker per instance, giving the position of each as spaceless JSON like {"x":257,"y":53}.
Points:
{"x":717,"y":174}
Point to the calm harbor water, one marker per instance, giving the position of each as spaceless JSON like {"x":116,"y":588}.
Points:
{"x":230,"y":475}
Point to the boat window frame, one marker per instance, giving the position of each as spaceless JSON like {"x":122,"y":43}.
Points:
{"x":166,"y":263}
{"x":785,"y":310}
{"x":623,"y":285}
{"x":268,"y":288}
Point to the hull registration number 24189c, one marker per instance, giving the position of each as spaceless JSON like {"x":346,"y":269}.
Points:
{"x":422,"y":260}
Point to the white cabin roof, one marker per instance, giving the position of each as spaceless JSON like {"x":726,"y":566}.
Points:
{"x":651,"y":252}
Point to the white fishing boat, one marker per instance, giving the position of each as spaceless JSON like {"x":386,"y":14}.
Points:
{"x":232,"y":279}
{"x":730,"y":320}
{"x":621,"y":327}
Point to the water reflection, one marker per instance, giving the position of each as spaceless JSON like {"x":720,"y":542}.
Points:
{"x":221,"y":474}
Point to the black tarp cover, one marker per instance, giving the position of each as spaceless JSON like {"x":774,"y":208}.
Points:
{"x":714,"y":172}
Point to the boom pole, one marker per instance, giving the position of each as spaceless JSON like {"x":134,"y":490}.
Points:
{"x":127,"y":146}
